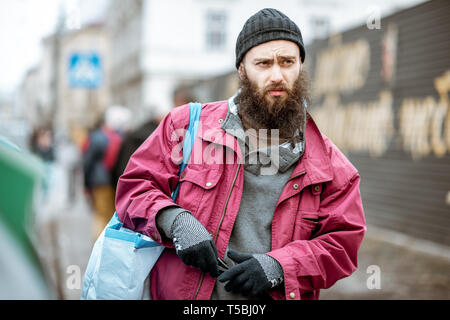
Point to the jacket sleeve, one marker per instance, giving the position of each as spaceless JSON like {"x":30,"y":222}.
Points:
{"x":332,"y":254}
{"x":147,"y":182}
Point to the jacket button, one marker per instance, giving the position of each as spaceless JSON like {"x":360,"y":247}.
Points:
{"x":208,"y":184}
{"x":292,"y":295}
{"x":295,"y":186}
{"x":317,"y":188}
{"x":155,"y":236}
{"x":220,"y":120}
{"x":183,"y":174}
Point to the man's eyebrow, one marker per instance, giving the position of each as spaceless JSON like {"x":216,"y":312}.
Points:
{"x":278,"y":58}
{"x":287,"y":57}
{"x":262,"y":59}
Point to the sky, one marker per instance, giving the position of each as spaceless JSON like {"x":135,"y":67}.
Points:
{"x":23,"y":24}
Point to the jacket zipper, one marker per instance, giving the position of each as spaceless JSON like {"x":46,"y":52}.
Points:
{"x":218,"y":227}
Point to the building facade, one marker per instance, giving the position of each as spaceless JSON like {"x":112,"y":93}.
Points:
{"x":69,"y":89}
{"x":83,"y":87}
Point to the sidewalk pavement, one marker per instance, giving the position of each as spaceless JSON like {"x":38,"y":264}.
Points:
{"x":64,"y":234}
{"x":406,"y":271}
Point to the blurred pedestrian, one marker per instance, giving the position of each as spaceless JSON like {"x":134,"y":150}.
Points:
{"x":100,"y":155}
{"x":279,"y":216}
{"x":41,"y":143}
{"x":69,"y":158}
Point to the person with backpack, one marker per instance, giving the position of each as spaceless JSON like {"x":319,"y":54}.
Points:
{"x":100,"y":153}
{"x":268,"y":207}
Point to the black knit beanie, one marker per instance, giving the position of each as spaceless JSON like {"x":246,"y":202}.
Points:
{"x":267,"y":25}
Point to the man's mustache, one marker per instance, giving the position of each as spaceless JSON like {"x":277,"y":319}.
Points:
{"x":276,"y":87}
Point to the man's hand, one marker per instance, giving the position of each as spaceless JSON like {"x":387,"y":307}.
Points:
{"x":194,"y":244}
{"x":253,"y":274}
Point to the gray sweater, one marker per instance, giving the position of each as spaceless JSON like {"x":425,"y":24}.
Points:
{"x":265,"y":175}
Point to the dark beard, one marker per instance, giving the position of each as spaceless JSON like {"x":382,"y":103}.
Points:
{"x":285,"y":114}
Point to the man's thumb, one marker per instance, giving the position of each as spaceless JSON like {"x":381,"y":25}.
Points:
{"x":237,"y":256}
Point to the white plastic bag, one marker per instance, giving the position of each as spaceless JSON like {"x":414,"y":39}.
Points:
{"x":120,"y":263}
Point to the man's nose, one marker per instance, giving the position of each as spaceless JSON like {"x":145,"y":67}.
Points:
{"x":276,"y":75}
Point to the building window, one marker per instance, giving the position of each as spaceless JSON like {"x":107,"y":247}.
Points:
{"x":216,"y":30}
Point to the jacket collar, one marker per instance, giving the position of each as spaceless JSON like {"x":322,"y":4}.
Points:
{"x":316,"y":159}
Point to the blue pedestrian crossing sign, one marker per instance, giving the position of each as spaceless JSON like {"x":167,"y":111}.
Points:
{"x":85,"y":70}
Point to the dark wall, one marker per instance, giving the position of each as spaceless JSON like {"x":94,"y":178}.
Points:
{"x":400,"y":143}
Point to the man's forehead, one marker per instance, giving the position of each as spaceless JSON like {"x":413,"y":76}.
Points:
{"x":274,"y":48}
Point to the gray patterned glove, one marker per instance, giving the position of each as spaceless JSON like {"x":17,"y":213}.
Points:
{"x":253,"y":274}
{"x":194,"y":244}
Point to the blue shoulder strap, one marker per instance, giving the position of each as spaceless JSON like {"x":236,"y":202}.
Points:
{"x":189,"y":138}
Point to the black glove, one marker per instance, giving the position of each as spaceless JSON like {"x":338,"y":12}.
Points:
{"x":194,"y":244}
{"x":254,"y":274}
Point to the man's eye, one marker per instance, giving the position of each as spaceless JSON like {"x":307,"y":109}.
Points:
{"x":287,"y":62}
{"x":262,"y":63}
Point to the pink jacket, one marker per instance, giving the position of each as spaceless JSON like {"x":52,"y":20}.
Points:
{"x":318,"y":223}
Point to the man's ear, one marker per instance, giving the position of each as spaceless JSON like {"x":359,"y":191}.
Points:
{"x":241,"y":71}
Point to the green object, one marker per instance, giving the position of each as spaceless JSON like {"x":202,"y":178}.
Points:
{"x":21,"y":177}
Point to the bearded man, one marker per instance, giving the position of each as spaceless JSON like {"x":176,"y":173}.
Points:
{"x":282,"y":220}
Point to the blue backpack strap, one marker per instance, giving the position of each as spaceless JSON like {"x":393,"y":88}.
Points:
{"x":189,"y":138}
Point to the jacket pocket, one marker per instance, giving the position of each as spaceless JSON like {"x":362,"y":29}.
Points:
{"x":306,"y":224}
{"x":198,"y":184}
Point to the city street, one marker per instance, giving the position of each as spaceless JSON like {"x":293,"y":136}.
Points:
{"x":354,"y":93}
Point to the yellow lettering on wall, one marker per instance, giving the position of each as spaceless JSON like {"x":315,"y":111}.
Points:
{"x":424,"y":122}
{"x":342,"y":68}
{"x":442,"y":85}
{"x":357,"y":126}
{"x":437,"y":142}
{"x":414,"y":118}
